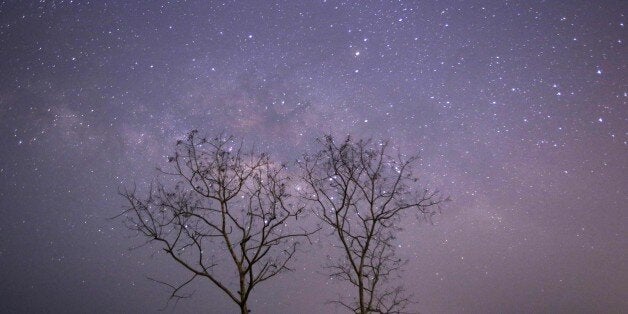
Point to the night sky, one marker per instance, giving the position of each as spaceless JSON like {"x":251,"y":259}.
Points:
{"x":518,"y":109}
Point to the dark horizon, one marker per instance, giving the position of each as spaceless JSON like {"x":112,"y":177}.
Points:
{"x":518,"y":110}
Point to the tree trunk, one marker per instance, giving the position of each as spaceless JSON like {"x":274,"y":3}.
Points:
{"x":244,"y":309}
{"x":361,"y":294}
{"x":243,"y":295}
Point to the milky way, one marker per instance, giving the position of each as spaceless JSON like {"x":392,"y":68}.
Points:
{"x":518,"y":109}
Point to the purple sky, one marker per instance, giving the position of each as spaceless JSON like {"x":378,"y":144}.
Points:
{"x":518,"y":108}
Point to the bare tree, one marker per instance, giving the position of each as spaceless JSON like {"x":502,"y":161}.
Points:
{"x":361,"y":192}
{"x":216,"y":199}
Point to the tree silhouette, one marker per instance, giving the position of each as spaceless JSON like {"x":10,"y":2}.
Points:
{"x":217,"y":198}
{"x":361,"y":192}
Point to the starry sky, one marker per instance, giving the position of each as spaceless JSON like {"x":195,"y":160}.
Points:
{"x":518,"y":109}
